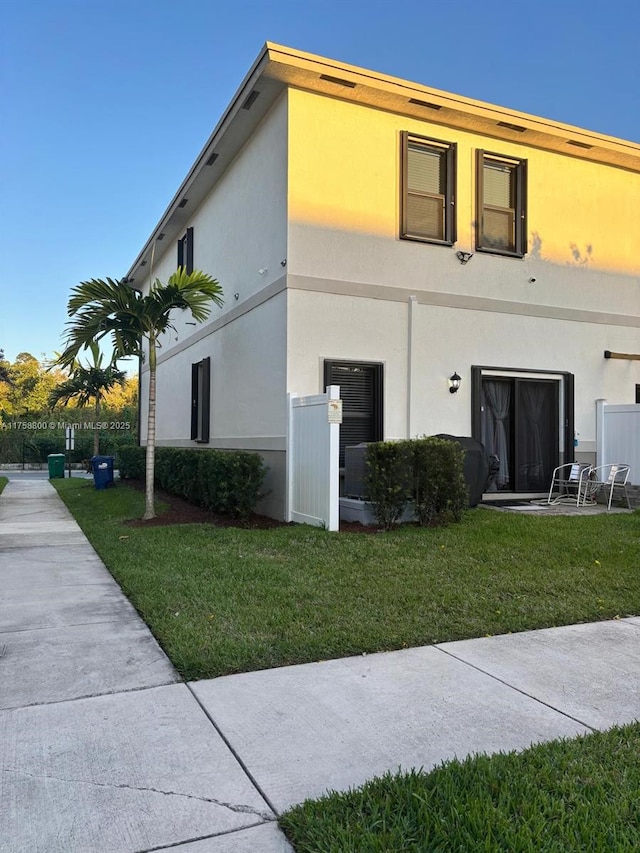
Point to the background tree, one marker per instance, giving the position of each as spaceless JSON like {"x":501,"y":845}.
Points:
{"x":4,"y":369}
{"x":123,"y":397}
{"x":26,"y":388}
{"x":89,"y":384}
{"x":135,"y":323}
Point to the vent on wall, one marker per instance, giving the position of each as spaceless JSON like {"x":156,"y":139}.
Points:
{"x":184,"y":202}
{"x":211,"y":159}
{"x":160,"y":236}
{"x":517,"y":127}
{"x":338,"y":80}
{"x":250,"y":100}
{"x":577,"y":144}
{"x":427,"y":104}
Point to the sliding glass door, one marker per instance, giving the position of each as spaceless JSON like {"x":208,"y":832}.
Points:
{"x":519,"y":423}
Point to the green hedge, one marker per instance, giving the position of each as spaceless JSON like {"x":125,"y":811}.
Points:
{"x":388,"y":480}
{"x":131,"y":463}
{"x":425,"y":471}
{"x":228,"y":482}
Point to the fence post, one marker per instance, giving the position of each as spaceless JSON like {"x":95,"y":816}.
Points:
{"x":333,"y":518}
{"x":289,"y":469}
{"x":600,"y":432}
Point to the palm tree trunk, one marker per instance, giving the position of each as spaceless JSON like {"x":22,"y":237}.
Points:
{"x":149,"y":509}
{"x":96,"y":431}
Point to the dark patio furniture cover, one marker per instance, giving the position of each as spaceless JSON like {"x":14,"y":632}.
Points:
{"x":476,"y":467}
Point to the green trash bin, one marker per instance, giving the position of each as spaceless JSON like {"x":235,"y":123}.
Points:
{"x":56,"y":465}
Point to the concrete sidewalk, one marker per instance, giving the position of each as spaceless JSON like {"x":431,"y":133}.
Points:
{"x":103,"y":749}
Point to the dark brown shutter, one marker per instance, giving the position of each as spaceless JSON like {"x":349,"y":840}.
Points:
{"x":189,"y":250}
{"x":194,"y":401}
{"x":205,"y":402}
{"x":521,"y":208}
{"x":479,"y":197}
{"x":181,"y":252}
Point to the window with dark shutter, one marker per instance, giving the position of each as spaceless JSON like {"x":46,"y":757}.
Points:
{"x":200,"y":400}
{"x":361,"y":393}
{"x":428,"y":189}
{"x":501,"y":205}
{"x":185,"y":251}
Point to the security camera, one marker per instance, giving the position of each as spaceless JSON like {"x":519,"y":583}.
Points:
{"x":532,"y":280}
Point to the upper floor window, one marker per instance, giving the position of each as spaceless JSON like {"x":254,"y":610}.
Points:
{"x":428,"y":189}
{"x":501,"y":204}
{"x":185,"y":251}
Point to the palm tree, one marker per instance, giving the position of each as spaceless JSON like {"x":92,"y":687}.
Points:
{"x":135,"y":322}
{"x":87,"y":383}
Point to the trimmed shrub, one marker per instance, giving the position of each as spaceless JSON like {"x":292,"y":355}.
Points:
{"x":426,"y":471}
{"x":388,"y":480}
{"x":231,"y":481}
{"x":439,"y":490}
{"x":227,"y":482}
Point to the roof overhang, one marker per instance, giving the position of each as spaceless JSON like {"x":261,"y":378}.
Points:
{"x":278,"y":68}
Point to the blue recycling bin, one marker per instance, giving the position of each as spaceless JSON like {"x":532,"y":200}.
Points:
{"x":102,"y":467}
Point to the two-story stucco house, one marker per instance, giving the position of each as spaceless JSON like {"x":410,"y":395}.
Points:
{"x":379,"y":235}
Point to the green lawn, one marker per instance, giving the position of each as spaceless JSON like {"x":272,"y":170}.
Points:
{"x":224,"y":600}
{"x":3,"y":483}
{"x":572,"y":795}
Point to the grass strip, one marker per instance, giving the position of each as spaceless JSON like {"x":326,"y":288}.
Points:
{"x":3,"y":483}
{"x":570,"y":795}
{"x":225,"y":600}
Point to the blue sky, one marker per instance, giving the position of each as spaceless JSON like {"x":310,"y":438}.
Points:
{"x":106,"y":103}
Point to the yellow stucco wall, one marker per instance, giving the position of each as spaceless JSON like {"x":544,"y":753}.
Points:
{"x":344,"y":168}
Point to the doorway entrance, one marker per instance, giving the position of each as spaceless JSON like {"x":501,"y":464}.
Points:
{"x":518,"y":419}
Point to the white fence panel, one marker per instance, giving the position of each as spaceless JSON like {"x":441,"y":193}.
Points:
{"x":618,"y":436}
{"x":312,"y":460}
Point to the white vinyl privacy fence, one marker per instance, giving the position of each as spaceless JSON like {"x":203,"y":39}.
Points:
{"x":312,"y":458}
{"x":618,"y":436}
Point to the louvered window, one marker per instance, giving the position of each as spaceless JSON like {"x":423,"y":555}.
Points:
{"x":185,"y":251}
{"x":501,"y":196}
{"x":362,"y":401}
{"x":200,"y":400}
{"x":428,"y":189}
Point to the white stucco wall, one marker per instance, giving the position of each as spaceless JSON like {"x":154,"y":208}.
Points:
{"x":248,"y":358}
{"x":326,"y":325}
{"x":241,"y":227}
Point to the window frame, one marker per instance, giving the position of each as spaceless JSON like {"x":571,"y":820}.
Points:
{"x":201,"y":400}
{"x":450,"y":152}
{"x":520,"y":210}
{"x":185,"y":251}
{"x":378,"y":392}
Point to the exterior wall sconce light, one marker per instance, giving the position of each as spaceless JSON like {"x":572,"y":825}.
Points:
{"x":454,"y":383}
{"x":464,"y":257}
